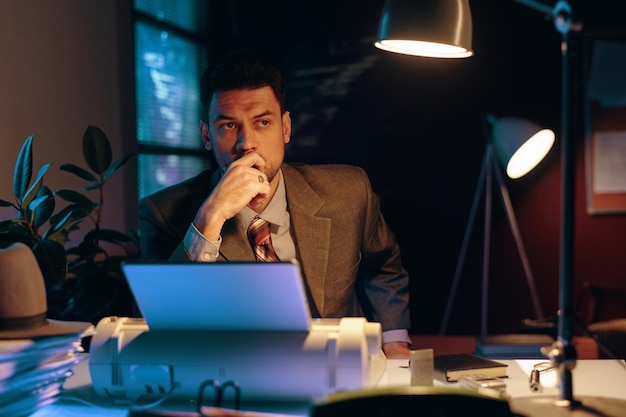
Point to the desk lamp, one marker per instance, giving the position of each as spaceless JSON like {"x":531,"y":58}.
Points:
{"x":520,"y":144}
{"x":432,"y":28}
{"x":517,"y":145}
{"x":455,"y":18}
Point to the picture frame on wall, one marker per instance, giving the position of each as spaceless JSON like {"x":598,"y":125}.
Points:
{"x":605,"y":120}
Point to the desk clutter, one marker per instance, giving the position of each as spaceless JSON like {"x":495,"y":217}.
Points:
{"x":37,"y":354}
{"x":32,"y":372}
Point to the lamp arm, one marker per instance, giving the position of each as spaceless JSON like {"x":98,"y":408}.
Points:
{"x":540,"y":7}
{"x":561,"y":14}
{"x":562,"y":353}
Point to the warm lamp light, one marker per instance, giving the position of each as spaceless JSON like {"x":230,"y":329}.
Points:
{"x":431,"y":28}
{"x":520,"y":144}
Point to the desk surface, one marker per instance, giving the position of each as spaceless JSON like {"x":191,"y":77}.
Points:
{"x":592,"y":378}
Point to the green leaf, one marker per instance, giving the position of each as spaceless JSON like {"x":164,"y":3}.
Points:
{"x":14,"y":231}
{"x":4,"y":203}
{"x":74,"y":197}
{"x":62,"y":222}
{"x":68,"y":214}
{"x":92,"y":187}
{"x":61,"y":236}
{"x":8,"y":224}
{"x":97,"y":149}
{"x":88,"y":248}
{"x":36,"y":202}
{"x":23,"y":169}
{"x":33,"y":191}
{"x":76,"y":170}
{"x":43,"y":206}
{"x":5,"y":224}
{"x":52,"y":261}
{"x":117,"y":164}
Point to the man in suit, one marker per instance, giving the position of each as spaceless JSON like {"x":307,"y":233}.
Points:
{"x":326,"y":217}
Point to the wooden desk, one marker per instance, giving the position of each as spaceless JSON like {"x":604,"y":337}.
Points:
{"x":586,"y":347}
{"x":443,"y":345}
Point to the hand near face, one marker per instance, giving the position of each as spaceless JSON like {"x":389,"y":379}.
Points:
{"x":247,"y":131}
{"x":240,"y":186}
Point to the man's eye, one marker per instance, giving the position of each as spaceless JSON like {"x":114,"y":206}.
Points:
{"x":229,"y":125}
{"x":264,"y":122}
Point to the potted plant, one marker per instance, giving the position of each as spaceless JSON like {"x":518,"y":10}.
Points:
{"x":84,"y":282}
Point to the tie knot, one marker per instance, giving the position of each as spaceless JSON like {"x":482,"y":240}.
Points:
{"x":259,"y":231}
{"x":261,"y":240}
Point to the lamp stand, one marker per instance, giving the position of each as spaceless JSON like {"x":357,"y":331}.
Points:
{"x":490,"y":167}
{"x":562,"y":353}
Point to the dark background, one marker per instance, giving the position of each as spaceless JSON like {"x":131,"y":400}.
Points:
{"x":416,"y":126}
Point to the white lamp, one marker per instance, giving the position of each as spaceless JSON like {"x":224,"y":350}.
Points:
{"x":517,"y":145}
{"x":520,"y":144}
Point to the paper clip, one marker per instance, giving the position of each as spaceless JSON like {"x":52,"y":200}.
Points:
{"x":218,"y":389}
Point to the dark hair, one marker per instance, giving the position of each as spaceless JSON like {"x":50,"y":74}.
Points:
{"x":237,"y":70}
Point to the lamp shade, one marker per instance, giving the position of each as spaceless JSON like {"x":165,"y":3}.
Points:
{"x":520,"y":144}
{"x":431,"y":28}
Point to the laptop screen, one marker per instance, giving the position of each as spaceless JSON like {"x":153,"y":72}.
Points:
{"x":220,"y":296}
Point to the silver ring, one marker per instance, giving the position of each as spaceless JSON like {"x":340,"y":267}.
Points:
{"x":261,"y":179}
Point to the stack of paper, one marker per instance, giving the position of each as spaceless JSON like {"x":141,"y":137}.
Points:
{"x":32,"y":371}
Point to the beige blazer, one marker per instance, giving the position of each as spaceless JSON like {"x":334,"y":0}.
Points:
{"x":350,"y":259}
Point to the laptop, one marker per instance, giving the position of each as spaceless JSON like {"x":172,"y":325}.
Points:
{"x":220,"y":296}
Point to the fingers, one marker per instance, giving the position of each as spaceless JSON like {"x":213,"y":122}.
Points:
{"x":251,"y":159}
{"x":240,"y":184}
{"x":247,"y":177}
{"x":243,"y":184}
{"x":250,"y":169}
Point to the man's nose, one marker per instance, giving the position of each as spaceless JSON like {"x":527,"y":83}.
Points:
{"x":247,"y":139}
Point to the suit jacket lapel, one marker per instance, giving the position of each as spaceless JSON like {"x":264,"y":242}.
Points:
{"x":235,"y":246}
{"x":311,"y":232}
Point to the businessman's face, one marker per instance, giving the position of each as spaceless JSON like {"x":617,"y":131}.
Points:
{"x":245,"y":121}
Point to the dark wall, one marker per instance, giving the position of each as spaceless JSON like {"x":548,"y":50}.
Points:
{"x":415,"y":125}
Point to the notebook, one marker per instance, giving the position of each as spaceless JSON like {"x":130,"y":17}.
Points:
{"x":220,"y":296}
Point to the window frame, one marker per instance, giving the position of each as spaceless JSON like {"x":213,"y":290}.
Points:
{"x":200,"y":40}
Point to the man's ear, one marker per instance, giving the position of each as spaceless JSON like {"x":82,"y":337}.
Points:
{"x":286,"y":127}
{"x":204,"y":131}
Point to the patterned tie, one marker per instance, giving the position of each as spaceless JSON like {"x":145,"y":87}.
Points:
{"x":261,"y":241}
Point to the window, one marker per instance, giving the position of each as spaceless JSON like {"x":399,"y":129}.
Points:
{"x":170,"y":55}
